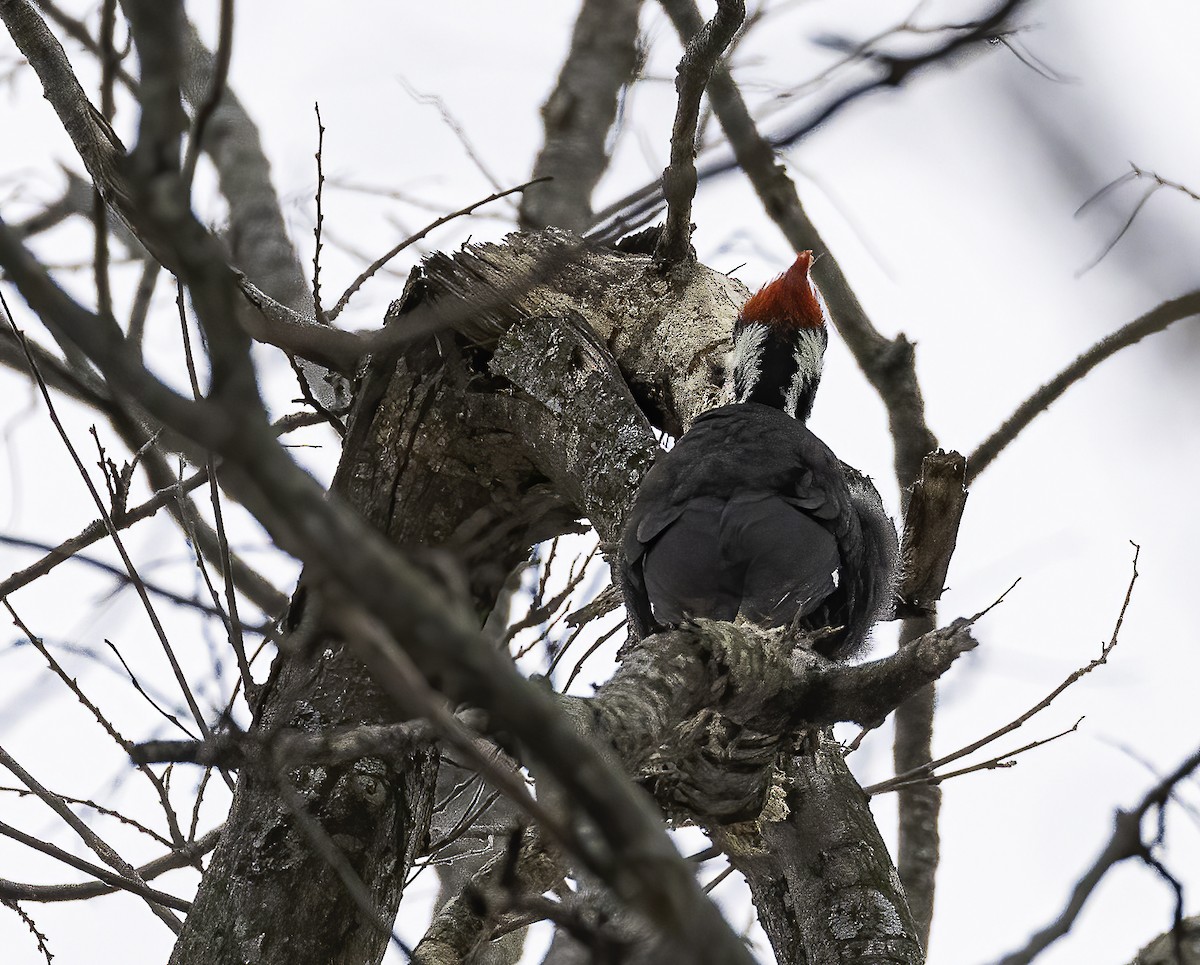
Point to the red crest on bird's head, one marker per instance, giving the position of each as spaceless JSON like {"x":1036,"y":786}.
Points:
{"x":791,"y":301}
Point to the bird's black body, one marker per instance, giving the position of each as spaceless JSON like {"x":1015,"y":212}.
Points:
{"x":751,"y":515}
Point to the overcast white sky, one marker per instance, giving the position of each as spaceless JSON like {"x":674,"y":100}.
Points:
{"x":950,"y":206}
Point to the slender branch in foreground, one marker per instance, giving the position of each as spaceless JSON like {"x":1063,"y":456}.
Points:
{"x":392,"y":742}
{"x":117,"y":573}
{"x":1126,"y":842}
{"x":1155,"y":320}
{"x":106,"y":725}
{"x":114,"y":534}
{"x":216,"y":90}
{"x":679,"y":181}
{"x":158,"y":900}
{"x":102,"y":849}
{"x":96,"y":530}
{"x":178,"y":858}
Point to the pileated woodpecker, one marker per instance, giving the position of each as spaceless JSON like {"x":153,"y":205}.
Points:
{"x":751,"y":514}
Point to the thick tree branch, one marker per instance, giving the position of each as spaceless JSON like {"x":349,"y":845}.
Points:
{"x":757,"y":679}
{"x":931,"y":520}
{"x":851,"y":910}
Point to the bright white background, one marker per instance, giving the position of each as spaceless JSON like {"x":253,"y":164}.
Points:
{"x":949,"y":205}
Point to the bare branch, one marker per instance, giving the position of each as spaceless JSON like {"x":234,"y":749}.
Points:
{"x":42,"y":941}
{"x":927,"y":769}
{"x":179,"y":858}
{"x":158,"y":900}
{"x":392,"y":742}
{"x":73,"y":685}
{"x":579,"y":113}
{"x":931,"y":520}
{"x":97,"y":530}
{"x":895,"y":70}
{"x":1155,"y":320}
{"x":318,"y":310}
{"x":679,"y":179}
{"x":216,"y":90}
{"x":1126,"y":842}
{"x":1157,"y":181}
{"x":114,"y":535}
{"x":101,"y":848}
{"x":55,"y":555}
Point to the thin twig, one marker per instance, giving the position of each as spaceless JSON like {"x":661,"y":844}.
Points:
{"x":216,"y":90}
{"x":1134,"y":173}
{"x":411,"y":239}
{"x":158,"y":900}
{"x":97,"y":530}
{"x":113,"y":533}
{"x":101,"y":848}
{"x":924,"y":770}
{"x":73,"y":685}
{"x":41,"y":939}
{"x":318,"y":311}
{"x":179,"y":858}
{"x":114,"y":571}
{"x":1153,"y":321}
{"x":1004,"y":760}
{"x":233,"y":627}
{"x":99,"y":809}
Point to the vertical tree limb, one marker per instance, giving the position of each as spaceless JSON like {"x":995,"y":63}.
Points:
{"x":888,"y":364}
{"x":580,"y":112}
{"x":701,"y":52}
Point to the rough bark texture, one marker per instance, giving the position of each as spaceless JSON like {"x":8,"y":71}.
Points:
{"x":1162,"y":951}
{"x":416,"y":471}
{"x":935,"y":507}
{"x":820,"y":874}
{"x":579,"y":113}
{"x":700,"y":717}
{"x":423,"y":471}
{"x":669,"y":339}
{"x":919,"y":840}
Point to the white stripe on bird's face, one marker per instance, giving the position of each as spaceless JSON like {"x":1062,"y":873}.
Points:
{"x":744,"y":364}
{"x":809,"y":355}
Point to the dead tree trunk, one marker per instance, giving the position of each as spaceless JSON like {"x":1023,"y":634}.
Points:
{"x":469,"y":447}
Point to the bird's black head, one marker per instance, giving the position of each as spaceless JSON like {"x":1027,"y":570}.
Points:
{"x":779,"y":341}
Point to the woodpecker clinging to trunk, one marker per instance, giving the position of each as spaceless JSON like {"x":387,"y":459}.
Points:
{"x":750,"y":513}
